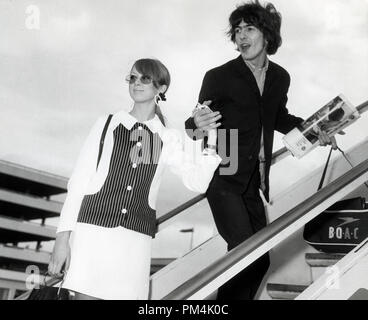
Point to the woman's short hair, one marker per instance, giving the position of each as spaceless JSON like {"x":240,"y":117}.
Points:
{"x":266,"y":18}
{"x":156,"y":70}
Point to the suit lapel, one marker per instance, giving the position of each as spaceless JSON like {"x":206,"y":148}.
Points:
{"x":243,"y":70}
{"x":271,"y":76}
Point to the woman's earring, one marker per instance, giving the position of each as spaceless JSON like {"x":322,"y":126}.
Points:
{"x":159,"y":97}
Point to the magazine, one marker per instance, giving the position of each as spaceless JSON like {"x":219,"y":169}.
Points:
{"x":331,"y":118}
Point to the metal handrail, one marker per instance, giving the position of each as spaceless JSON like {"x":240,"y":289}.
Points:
{"x":179,"y":209}
{"x":362,"y":107}
{"x":239,"y":253}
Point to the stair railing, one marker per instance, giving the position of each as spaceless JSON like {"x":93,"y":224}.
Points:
{"x":211,"y":278}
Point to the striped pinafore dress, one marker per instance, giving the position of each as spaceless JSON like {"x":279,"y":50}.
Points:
{"x":111,"y":244}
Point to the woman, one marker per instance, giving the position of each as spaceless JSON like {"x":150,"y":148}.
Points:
{"x":109,"y":213}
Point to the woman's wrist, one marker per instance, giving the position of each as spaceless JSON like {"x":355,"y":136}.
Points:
{"x":210,"y":150}
{"x":212,"y":147}
{"x":212,"y":137}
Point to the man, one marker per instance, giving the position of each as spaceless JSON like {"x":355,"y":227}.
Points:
{"x":248,"y":94}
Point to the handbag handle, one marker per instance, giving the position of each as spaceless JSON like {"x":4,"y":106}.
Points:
{"x":326,"y":166}
{"x":351,"y":164}
{"x":324,"y":171}
{"x":62,"y":278}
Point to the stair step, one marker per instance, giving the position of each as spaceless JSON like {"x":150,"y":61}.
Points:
{"x":284,"y":291}
{"x":323,"y":259}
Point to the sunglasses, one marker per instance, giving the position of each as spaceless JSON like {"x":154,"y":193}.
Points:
{"x":131,"y":78}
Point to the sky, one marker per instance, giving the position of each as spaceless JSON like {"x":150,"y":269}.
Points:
{"x":57,"y":77}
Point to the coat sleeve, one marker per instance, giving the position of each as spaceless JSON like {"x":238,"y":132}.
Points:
{"x":207,"y":93}
{"x":84,"y":169}
{"x":209,"y":87}
{"x":185,"y":159}
{"x":285,"y":122}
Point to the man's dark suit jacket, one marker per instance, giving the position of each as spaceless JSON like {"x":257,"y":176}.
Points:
{"x":234,"y":92}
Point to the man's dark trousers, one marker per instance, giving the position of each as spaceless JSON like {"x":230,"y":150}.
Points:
{"x":238,"y":217}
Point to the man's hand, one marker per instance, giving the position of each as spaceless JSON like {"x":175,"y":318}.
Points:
{"x":325,"y":140}
{"x":205,"y":119}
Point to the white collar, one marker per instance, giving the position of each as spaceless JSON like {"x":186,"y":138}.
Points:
{"x":254,"y":68}
{"x":128,"y":121}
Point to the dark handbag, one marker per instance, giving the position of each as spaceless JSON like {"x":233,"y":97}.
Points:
{"x":48,"y":292}
{"x":339,"y":228}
